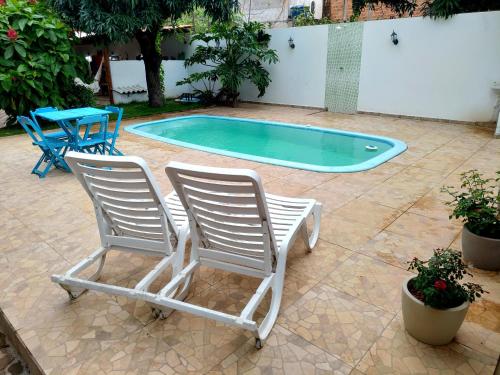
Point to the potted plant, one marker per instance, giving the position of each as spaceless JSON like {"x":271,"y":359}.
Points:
{"x":478,"y":206}
{"x":435,"y":301}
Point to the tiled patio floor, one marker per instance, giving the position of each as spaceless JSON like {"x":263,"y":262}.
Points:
{"x":341,"y":307}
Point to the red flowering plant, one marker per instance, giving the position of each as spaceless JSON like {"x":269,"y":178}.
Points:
{"x":439,"y":280}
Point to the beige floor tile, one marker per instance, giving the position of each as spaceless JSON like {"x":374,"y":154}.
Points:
{"x":342,"y":325}
{"x":369,"y":280}
{"x":396,"y":249}
{"x":200,"y":342}
{"x":396,"y":352}
{"x":346,"y":233}
{"x":431,"y":206}
{"x":367,"y":212}
{"x":440,"y":233}
{"x":329,"y":200}
{"x":280,"y":186}
{"x":283,"y":354}
{"x":318,"y":263}
{"x":105,"y":334}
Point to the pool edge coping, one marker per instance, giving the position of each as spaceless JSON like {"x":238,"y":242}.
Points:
{"x":398,"y":146}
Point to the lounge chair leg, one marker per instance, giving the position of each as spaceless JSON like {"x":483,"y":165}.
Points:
{"x":310,"y":240}
{"x":258,"y":343}
{"x":267,"y":324}
{"x":73,"y":292}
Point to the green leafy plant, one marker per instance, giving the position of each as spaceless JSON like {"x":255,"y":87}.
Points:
{"x":233,"y":52}
{"x":120,"y":21}
{"x":307,"y":19}
{"x":400,"y":7}
{"x":431,"y":8}
{"x":477,"y":204}
{"x":78,"y":96}
{"x":447,"y":8}
{"x":37,"y":61}
{"x":438,"y":283}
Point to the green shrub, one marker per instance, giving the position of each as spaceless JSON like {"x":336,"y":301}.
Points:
{"x":477,"y":204}
{"x":438,"y":281}
{"x":79,"y":96}
{"x":234,"y":52}
{"x":37,"y":60}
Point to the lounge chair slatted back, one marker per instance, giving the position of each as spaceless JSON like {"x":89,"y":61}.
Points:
{"x":230,"y":215}
{"x":129,"y":206}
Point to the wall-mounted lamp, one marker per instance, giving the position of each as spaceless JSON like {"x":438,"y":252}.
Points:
{"x":291,"y":43}
{"x":394,"y":38}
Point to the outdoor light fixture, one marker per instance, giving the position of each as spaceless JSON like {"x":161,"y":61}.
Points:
{"x":291,"y":43}
{"x":394,"y":38}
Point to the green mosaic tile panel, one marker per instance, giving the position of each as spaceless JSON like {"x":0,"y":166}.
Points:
{"x":343,"y":67}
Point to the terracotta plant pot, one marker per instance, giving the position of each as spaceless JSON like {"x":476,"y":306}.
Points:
{"x":480,"y":252}
{"x":427,"y":324}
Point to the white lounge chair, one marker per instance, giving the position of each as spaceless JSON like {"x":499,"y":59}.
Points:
{"x":132,"y":216}
{"x":236,"y":227}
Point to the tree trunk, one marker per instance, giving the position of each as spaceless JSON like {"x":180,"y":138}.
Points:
{"x":152,"y":63}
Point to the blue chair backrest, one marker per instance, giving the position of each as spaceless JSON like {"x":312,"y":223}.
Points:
{"x":32,"y":128}
{"x":119,"y":113}
{"x":37,"y":111}
{"x":90,"y":121}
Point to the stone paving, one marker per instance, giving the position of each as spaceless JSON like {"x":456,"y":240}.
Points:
{"x":341,"y":304}
{"x":10,"y":363}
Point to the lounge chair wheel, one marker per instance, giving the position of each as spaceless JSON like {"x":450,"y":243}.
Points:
{"x":258,"y":344}
{"x":74,"y":293}
{"x":155,"y":312}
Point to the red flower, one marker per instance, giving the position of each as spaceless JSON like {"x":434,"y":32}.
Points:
{"x":3,"y":2}
{"x":440,"y":284}
{"x":12,"y":34}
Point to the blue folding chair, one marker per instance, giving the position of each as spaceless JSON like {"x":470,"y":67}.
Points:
{"x":54,"y":135}
{"x":112,"y":136}
{"x":92,"y":142}
{"x":53,"y":150}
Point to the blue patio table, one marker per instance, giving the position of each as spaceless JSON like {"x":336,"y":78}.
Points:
{"x":63,"y":119}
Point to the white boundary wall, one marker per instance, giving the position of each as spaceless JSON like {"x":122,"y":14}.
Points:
{"x":300,"y":76}
{"x":440,"y":69}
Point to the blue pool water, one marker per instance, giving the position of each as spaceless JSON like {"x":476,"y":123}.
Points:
{"x":297,"y":146}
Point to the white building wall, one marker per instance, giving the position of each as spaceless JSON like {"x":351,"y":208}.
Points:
{"x":299,"y":77}
{"x":440,"y":69}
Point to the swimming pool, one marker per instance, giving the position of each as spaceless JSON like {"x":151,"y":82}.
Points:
{"x":297,"y":146}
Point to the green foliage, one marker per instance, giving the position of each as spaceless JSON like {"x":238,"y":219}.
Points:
{"x":447,"y":8}
{"x":307,"y":19}
{"x":79,"y":96}
{"x":234,"y":52}
{"x":37,"y":61}
{"x":432,"y":8}
{"x":477,"y":204}
{"x":401,"y":7}
{"x":121,"y":20}
{"x":438,"y":281}
{"x":140,"y":109}
{"x":197,"y":18}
